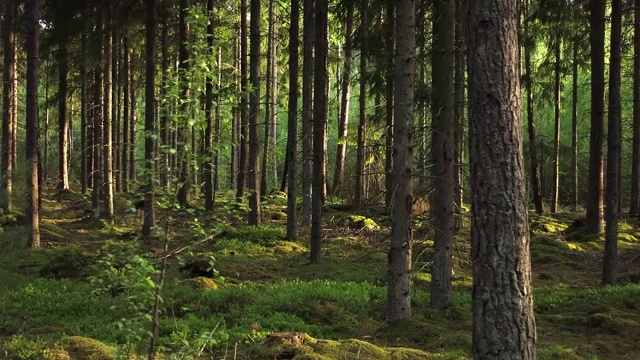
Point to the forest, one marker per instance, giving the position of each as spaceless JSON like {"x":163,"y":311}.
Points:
{"x":320,"y":179}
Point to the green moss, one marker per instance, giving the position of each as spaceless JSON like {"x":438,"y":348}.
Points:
{"x":362,"y":222}
{"x":201,"y":283}
{"x":82,"y":348}
{"x":277,"y":215}
{"x":557,"y":353}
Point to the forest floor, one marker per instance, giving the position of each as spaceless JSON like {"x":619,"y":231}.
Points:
{"x":89,"y":292}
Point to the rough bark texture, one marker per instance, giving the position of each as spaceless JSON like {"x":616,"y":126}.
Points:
{"x":595,"y":186}
{"x":254,"y":115}
{"x":610,"y":259}
{"x":345,"y":100}
{"x":319,"y":122}
{"x":398,"y":290}
{"x":8,"y":43}
{"x":307,"y":109}
{"x":503,"y":322}
{"x":442,"y":150}
{"x":292,"y":135}
{"x":32,"y":214}
{"x":634,"y":209}
{"x":149,"y":219}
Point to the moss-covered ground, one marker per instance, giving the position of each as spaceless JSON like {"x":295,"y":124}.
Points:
{"x":88,"y":293}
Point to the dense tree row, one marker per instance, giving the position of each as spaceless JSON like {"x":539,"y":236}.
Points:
{"x":194,"y":71}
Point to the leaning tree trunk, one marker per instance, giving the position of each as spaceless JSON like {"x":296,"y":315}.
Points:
{"x":8,"y":42}
{"x":398,"y":290}
{"x":32,"y":213}
{"x":503,"y":322}
{"x":442,"y":150}
{"x":610,"y":259}
{"x":594,"y":194}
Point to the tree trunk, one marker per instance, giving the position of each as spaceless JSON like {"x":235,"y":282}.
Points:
{"x":244,"y":112}
{"x":208,"y":109}
{"x":270,"y":100}
{"x":45,"y":158}
{"x":594,"y":194}
{"x":126,"y":118}
{"x":149,"y":122}
{"x":254,"y":115}
{"x":635,"y":156}
{"x":388,"y":153}
{"x":292,"y":114}
{"x":32,"y":213}
{"x":133,"y":127}
{"x":503,"y":322}
{"x":184,"y":178}
{"x":574,"y":130}
{"x":97,"y":120}
{"x":398,"y":291}
{"x":63,"y":129}
{"x":166,"y":172}
{"x":116,"y":90}
{"x":107,"y":119}
{"x":442,"y":150}
{"x":610,"y":259}
{"x":536,"y":186}
{"x":556,"y":137}
{"x":345,"y":98}
{"x":307,"y":109}
{"x":458,"y":115}
{"x":85,"y":158}
{"x":8,"y":42}
{"x":362,"y":113}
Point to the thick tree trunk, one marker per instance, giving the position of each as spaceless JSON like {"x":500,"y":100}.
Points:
{"x":398,"y":290}
{"x":610,"y":259}
{"x":536,"y":186}
{"x":244,"y":109}
{"x":292,"y":115}
{"x":574,"y":130}
{"x":362,"y":112}
{"x":319,"y":122}
{"x":149,"y":123}
{"x":345,"y":99}
{"x":307,"y":109}
{"x":503,"y":322}
{"x":635,"y":156}
{"x":595,"y":187}
{"x":556,"y":137}
{"x":32,"y":213}
{"x":254,"y":115}
{"x":442,"y":150}
{"x":8,"y":43}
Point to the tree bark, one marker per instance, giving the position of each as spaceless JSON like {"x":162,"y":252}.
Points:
{"x":8,"y":74}
{"x":292,"y":134}
{"x":503,"y":322}
{"x":595,"y":186}
{"x":556,"y":137}
{"x":398,"y":291}
{"x":107,"y":136}
{"x":254,"y":115}
{"x":208,"y":109}
{"x":458,"y":115}
{"x":184,"y":178}
{"x":442,"y":150}
{"x":32,"y":213}
{"x":307,"y":109}
{"x":149,"y":122}
{"x":389,"y":74}
{"x":362,"y":113}
{"x":98,"y":169}
{"x":166,"y":172}
{"x":319,"y":122}
{"x":269,"y":101}
{"x":574,"y":130}
{"x":610,"y":259}
{"x":84,"y":123}
{"x":244,"y":110}
{"x":634,"y":209}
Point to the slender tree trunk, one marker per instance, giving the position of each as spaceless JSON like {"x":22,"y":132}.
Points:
{"x":208,"y":109}
{"x":635,"y":156}
{"x":254,"y":115}
{"x":63,"y":128}
{"x":107,"y":119}
{"x":389,"y":73}
{"x":244,"y":110}
{"x":184,"y":178}
{"x":345,"y":98}
{"x":126,"y":119}
{"x":8,"y":42}
{"x":217,"y":128}
{"x":292,"y":134}
{"x":503,"y":321}
{"x":574,"y":130}
{"x":97,"y":120}
{"x":165,"y":171}
{"x":594,"y":197}
{"x":442,"y":150}
{"x":610,"y":259}
{"x":32,"y":214}
{"x":307,"y":109}
{"x":45,"y":158}
{"x":270,"y":99}
{"x":84,"y":123}
{"x":14,"y":96}
{"x":536,"y":186}
{"x":398,"y":291}
{"x":362,"y":113}
{"x":133,"y":129}
{"x":319,"y":122}
{"x":115,"y":112}
{"x":149,"y":122}
{"x":458,"y":115}
{"x":556,"y":137}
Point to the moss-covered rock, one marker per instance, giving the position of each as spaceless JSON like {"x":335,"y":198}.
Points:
{"x":277,"y":215}
{"x":201,"y":283}
{"x":362,"y":222}
{"x":82,"y":348}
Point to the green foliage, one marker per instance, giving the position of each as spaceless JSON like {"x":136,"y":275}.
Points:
{"x":264,"y":235}
{"x":67,"y":262}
